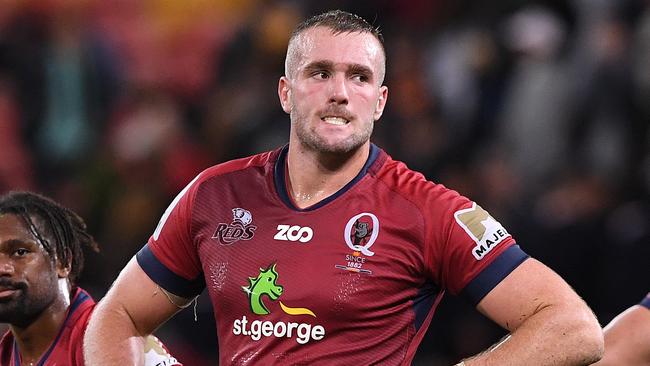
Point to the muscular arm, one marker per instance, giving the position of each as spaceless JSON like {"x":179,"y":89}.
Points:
{"x":549,"y":323}
{"x":627,"y":338}
{"x":133,"y":308}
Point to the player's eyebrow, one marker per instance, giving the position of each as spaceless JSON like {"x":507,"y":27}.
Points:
{"x":15,"y":242}
{"x":329,"y":65}
{"x":318,"y":65}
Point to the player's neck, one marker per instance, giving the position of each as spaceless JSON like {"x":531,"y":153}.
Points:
{"x":36,"y":337}
{"x":314,"y":176}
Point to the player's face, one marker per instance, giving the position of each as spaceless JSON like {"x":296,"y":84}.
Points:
{"x":28,"y":278}
{"x":333,"y":89}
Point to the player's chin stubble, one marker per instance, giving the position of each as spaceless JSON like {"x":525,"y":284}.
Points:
{"x":311,"y":139}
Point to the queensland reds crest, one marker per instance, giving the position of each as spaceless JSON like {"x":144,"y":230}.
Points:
{"x":361,"y":231}
{"x":240,"y":228}
{"x":360,"y":234}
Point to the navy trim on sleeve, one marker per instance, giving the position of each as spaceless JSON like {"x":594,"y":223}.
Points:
{"x":494,"y":273}
{"x":645,"y":302}
{"x":166,"y":278}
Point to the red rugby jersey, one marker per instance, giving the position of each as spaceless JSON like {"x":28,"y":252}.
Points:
{"x":354,"y":279}
{"x":67,"y":348}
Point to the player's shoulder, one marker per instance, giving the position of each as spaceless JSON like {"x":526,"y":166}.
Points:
{"x":415,"y":187}
{"x":261,"y":162}
{"x":79,"y":312}
{"x":235,"y":165}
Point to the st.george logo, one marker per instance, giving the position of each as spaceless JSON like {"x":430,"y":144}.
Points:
{"x":266,"y":286}
{"x":263,"y":285}
{"x":241,"y":228}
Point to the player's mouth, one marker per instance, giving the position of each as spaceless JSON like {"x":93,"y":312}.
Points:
{"x":337,"y":121}
{"x":7,"y":292}
{"x":9,"y":289}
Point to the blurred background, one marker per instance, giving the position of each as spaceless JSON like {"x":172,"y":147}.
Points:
{"x":538,"y":110}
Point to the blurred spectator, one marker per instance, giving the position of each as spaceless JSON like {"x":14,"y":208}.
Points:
{"x":16,"y":170}
{"x":536,"y":111}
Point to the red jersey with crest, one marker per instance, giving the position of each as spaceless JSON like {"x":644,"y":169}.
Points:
{"x":67,"y":347}
{"x":354,"y":279}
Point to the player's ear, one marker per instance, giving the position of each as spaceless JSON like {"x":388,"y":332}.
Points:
{"x":63,"y":269}
{"x":284,"y":93}
{"x":381,"y":102}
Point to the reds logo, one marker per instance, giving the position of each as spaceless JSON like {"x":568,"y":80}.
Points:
{"x":239,"y":229}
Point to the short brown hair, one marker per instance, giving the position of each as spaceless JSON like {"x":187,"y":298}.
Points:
{"x":338,"y":21}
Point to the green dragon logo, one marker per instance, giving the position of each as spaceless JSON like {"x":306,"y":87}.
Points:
{"x":265,"y":284}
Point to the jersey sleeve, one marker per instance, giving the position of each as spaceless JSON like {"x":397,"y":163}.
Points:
{"x":472,"y":252}
{"x":170,"y":257}
{"x":646,"y":301}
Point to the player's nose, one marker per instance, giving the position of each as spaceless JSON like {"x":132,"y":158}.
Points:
{"x":7,"y":267}
{"x":338,"y":90}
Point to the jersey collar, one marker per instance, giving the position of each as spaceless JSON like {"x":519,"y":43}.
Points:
{"x":80,"y":297}
{"x":281,"y":184}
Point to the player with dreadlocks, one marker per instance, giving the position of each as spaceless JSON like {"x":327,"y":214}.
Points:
{"x":41,"y":257}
